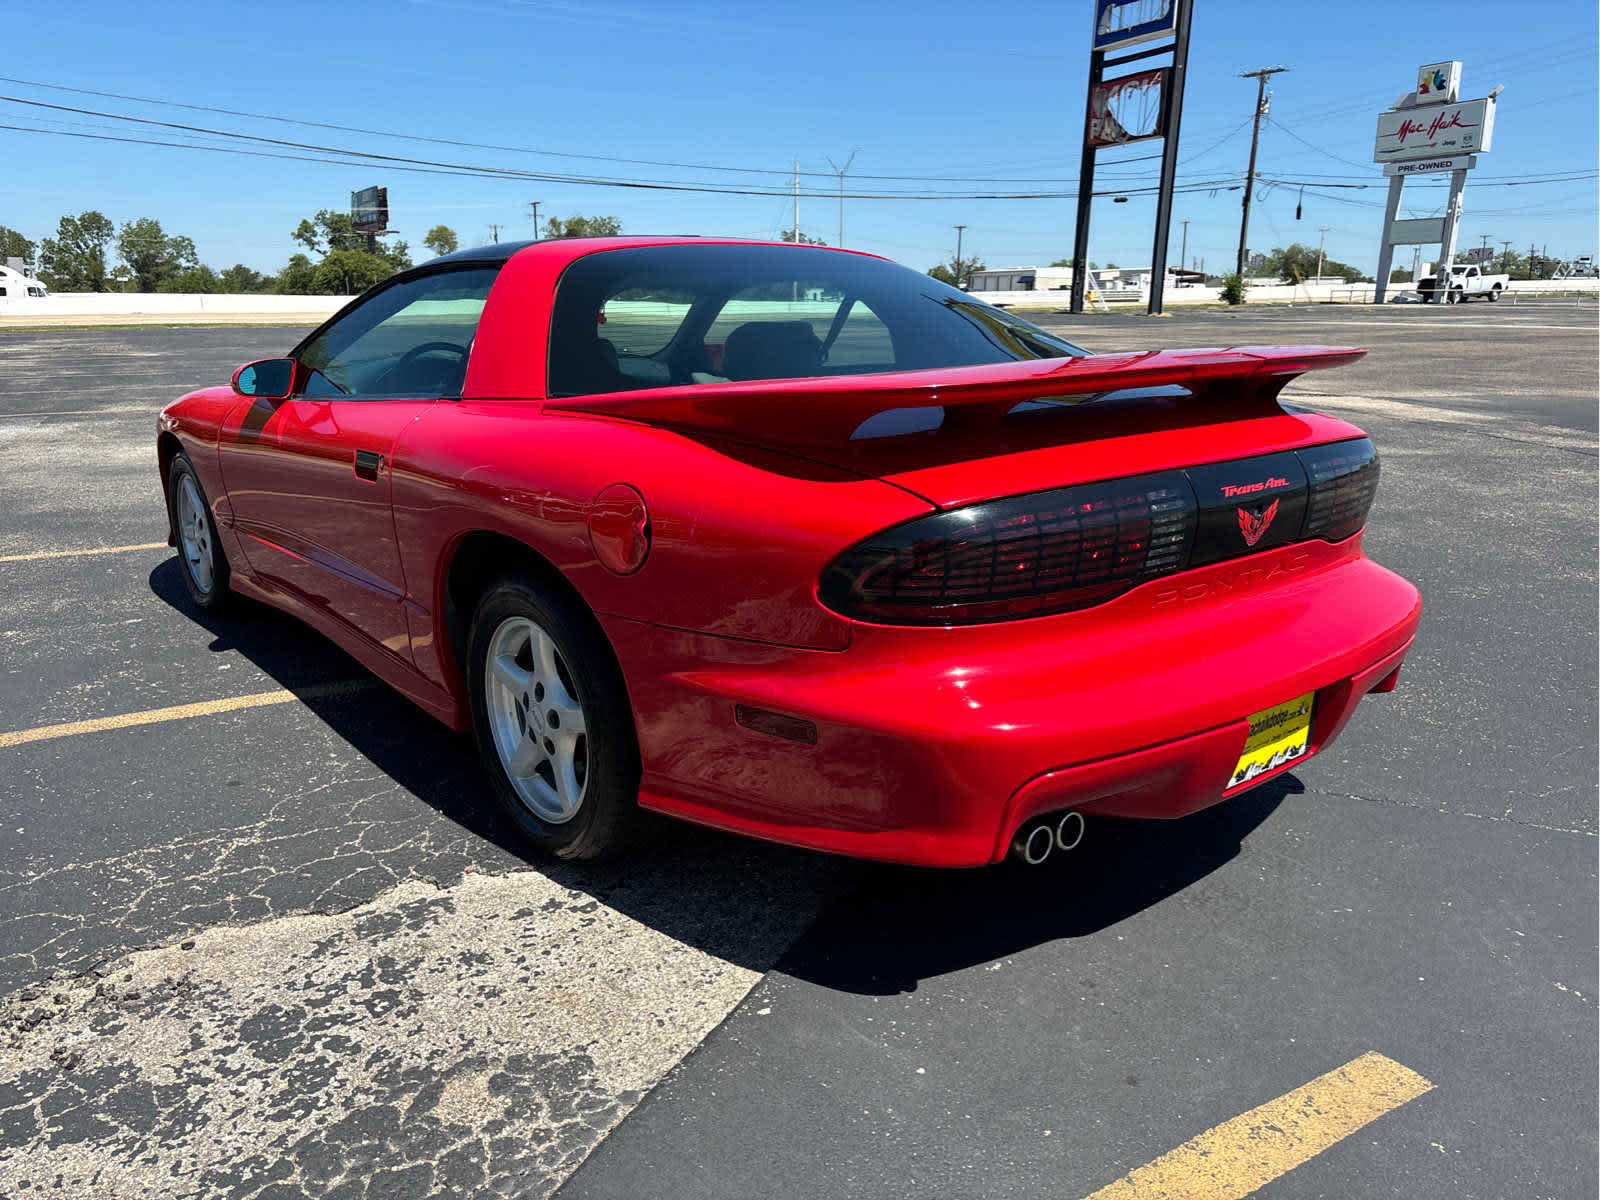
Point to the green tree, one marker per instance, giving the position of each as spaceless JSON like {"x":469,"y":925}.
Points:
{"x":298,"y":277}
{"x":239,"y":279}
{"x":1298,"y":263}
{"x":193,"y":280}
{"x":1400,"y":275}
{"x":75,"y":259}
{"x":957,"y":272}
{"x":151,"y":255}
{"x":1233,"y":289}
{"x":347,"y":272}
{"x":441,"y":239}
{"x":14,"y":245}
{"x":397,"y":254}
{"x":1067,"y":262}
{"x":329,"y":231}
{"x":573,"y":227}
{"x":788,"y":235}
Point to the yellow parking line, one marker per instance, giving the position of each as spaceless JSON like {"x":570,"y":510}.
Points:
{"x":1239,"y":1156}
{"x":180,"y":712}
{"x":5,"y":558}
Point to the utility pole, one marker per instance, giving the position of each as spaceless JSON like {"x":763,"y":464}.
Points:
{"x":1505,"y":256}
{"x":534,"y":205}
{"x":959,"y":230}
{"x":1261,"y":78}
{"x":1183,"y":252}
{"x":841,"y":171}
{"x":494,"y":232}
{"x":1323,"y":241}
{"x":797,"y":204}
{"x":1484,"y":249}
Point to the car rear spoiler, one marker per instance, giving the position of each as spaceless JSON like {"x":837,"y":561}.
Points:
{"x":827,"y":410}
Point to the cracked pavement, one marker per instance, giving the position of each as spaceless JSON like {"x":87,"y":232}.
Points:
{"x":293,"y":951}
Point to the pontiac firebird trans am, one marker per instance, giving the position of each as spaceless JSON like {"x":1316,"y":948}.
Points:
{"x":799,"y":543}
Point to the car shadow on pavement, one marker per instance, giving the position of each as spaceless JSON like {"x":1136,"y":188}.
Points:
{"x":896,"y":926}
{"x":856,"y":926}
{"x":740,"y":900}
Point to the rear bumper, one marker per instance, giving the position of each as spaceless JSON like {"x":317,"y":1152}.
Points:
{"x":933,"y":745}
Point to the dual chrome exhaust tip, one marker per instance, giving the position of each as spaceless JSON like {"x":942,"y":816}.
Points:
{"x":1036,"y":842}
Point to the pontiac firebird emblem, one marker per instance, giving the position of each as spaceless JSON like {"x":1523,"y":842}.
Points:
{"x":1254,"y":525}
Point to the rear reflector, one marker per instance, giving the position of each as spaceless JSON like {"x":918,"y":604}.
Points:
{"x":794,"y":729}
{"x":1076,"y":547}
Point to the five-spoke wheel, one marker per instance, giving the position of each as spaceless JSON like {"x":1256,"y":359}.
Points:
{"x":552,"y":720}
{"x":200,"y":558}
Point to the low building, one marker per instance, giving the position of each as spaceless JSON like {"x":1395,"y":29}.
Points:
{"x":17,"y":282}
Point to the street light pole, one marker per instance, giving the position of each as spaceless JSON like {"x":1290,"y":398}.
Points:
{"x":1321,"y":242}
{"x":1261,"y":78}
{"x":841,"y":171}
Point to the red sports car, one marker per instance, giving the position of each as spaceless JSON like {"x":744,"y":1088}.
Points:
{"x":799,"y":543}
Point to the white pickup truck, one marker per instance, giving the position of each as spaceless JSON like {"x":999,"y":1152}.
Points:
{"x":1465,"y":283}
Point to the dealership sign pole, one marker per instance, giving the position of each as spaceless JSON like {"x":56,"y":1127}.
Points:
{"x":1429,"y":132}
{"x":1131,"y":108}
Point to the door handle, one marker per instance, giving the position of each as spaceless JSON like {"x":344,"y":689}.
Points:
{"x":368,"y":464}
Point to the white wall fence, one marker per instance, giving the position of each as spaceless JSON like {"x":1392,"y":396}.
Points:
{"x":1327,"y":292}
{"x":159,"y":304}
{"x":155,"y":305}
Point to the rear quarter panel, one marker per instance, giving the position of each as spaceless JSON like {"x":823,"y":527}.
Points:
{"x":739,"y":536}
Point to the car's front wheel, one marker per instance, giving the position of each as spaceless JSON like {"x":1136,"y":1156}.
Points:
{"x":200,"y":557}
{"x":552,"y":721}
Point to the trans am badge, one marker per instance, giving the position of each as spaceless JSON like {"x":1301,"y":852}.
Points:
{"x":1254,"y":525}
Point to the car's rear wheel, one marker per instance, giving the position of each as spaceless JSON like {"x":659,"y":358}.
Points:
{"x":200,"y":558}
{"x":1494,"y":295}
{"x":552,"y":721}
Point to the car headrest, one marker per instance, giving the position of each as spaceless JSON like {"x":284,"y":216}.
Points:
{"x":772,"y":350}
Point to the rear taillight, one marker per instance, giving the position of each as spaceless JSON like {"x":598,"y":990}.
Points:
{"x":1343,"y":478}
{"x":1023,"y":556}
{"x":1072,"y":548}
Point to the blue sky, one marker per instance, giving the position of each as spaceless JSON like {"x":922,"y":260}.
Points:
{"x":933,"y":89}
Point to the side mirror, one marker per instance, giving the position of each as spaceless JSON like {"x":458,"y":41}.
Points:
{"x":269,"y":379}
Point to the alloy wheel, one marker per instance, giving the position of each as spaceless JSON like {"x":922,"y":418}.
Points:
{"x":537,"y":720}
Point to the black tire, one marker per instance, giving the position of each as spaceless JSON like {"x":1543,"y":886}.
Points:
{"x":1494,"y":295}
{"x":1455,"y":296}
{"x":607,"y":811}
{"x":210,"y":594}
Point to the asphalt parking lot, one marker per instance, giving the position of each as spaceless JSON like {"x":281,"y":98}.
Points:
{"x":265,"y":937}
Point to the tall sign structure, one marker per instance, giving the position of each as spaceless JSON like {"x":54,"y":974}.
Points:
{"x":369,"y":214}
{"x":1131,"y":108}
{"x":1429,"y":132}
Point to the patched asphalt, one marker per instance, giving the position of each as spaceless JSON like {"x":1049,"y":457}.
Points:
{"x":292,"y":950}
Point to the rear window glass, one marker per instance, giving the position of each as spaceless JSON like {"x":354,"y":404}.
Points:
{"x":661,"y":316}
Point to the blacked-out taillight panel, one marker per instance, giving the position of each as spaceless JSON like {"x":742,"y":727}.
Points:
{"x":1075,"y":547}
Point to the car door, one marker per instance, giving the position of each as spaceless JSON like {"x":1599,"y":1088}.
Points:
{"x":307,"y":477}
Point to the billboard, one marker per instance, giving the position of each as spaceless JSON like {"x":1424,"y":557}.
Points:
{"x":369,"y":209}
{"x":1438,"y":132}
{"x":1127,"y":109}
{"x":1119,"y":23}
{"x":1438,"y":83}
{"x":1425,"y":231}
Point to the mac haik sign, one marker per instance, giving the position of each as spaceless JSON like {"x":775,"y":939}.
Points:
{"x":1436,"y":131}
{"x":1128,"y":108}
{"x":1119,"y":23}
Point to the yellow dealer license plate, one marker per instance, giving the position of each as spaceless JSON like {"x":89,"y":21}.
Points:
{"x":1278,"y":735}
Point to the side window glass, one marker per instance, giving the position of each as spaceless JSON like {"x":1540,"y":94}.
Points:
{"x":412,"y":339}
